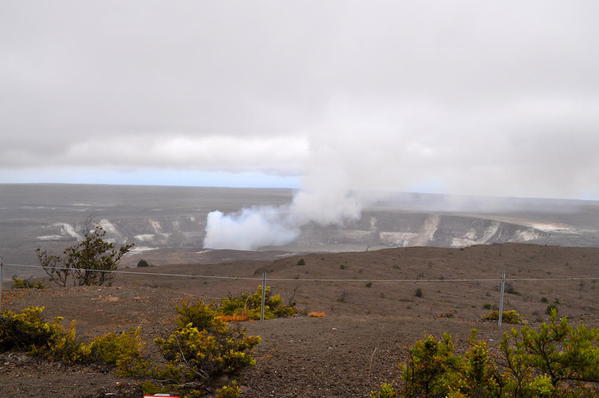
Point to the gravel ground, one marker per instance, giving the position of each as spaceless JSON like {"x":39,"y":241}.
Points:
{"x":348,"y":353}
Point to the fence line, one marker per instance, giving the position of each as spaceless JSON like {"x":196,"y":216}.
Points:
{"x":199,"y":276}
{"x":503,"y":279}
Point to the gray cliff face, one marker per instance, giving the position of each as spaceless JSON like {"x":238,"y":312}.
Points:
{"x":395,"y":229}
{"x":55,"y":216}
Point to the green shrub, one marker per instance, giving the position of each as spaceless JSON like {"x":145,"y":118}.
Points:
{"x":368,"y":284}
{"x":83,"y":263}
{"x":143,"y":263}
{"x":550,"y":308}
{"x":249,"y":304}
{"x":28,"y":331}
{"x":509,"y":289}
{"x":557,"y":360}
{"x":115,"y":348}
{"x":18,"y":283}
{"x":509,"y":316}
{"x":385,"y":391}
{"x":199,"y":314}
{"x":201,"y":351}
{"x":425,"y":371}
{"x":151,"y":388}
{"x":196,"y":358}
{"x":301,"y":261}
{"x":418,"y":292}
{"x":229,"y":391}
{"x":487,"y":306}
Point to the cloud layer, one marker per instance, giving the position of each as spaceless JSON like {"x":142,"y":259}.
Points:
{"x":461,"y":97}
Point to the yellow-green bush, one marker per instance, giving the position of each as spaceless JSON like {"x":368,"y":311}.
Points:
{"x":200,"y":350}
{"x":196,"y":354}
{"x":509,"y":316}
{"x":250,"y":304}
{"x":557,"y":360}
{"x":18,"y":283}
{"x":229,"y":391}
{"x":115,"y":348}
{"x":385,"y":391}
{"x":205,"y":354}
{"x":28,"y":331}
{"x":198,"y":313}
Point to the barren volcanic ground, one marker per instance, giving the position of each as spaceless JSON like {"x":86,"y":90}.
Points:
{"x":368,"y":323}
{"x":55,"y":216}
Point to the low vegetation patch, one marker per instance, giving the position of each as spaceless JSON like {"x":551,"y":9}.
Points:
{"x":248,"y":305}
{"x":18,"y":283}
{"x":28,"y":331}
{"x":557,"y":360}
{"x":550,"y":308}
{"x":196,"y":355}
{"x":143,"y":263}
{"x":509,"y":316}
{"x":509,"y":289}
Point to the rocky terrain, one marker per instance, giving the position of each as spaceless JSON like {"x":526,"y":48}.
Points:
{"x":54,"y":216}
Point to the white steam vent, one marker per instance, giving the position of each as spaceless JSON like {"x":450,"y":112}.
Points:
{"x":255,"y":227}
{"x":337,"y":170}
{"x":249,"y":229}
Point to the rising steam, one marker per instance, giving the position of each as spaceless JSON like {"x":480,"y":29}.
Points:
{"x":343,"y":164}
{"x":255,"y":227}
{"x":249,"y":229}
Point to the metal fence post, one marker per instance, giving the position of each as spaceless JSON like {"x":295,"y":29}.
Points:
{"x":262,"y":304}
{"x":502,"y":291}
{"x":1,"y":280}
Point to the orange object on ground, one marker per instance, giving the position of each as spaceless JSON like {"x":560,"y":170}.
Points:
{"x":234,"y":317}
{"x":317,"y":314}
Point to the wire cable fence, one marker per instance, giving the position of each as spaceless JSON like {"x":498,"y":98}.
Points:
{"x":502,"y":280}
{"x":341,"y":280}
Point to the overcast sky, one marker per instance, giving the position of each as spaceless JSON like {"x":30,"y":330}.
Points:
{"x":470,"y":97}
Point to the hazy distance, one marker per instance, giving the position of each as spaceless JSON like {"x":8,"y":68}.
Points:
{"x":54,"y":216}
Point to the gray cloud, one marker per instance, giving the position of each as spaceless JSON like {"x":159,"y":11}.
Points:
{"x":466,"y":96}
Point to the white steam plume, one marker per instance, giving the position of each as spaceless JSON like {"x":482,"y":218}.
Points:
{"x":255,"y":227}
{"x":346,"y":170}
{"x":325,"y":199}
{"x":249,"y":229}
